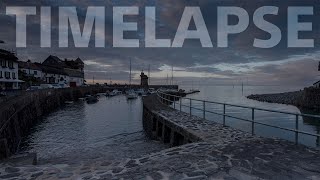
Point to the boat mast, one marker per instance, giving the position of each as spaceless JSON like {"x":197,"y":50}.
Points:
{"x":149,"y":74}
{"x":130,"y":74}
{"x":172,"y":76}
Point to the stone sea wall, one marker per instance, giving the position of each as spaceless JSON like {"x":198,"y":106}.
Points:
{"x":309,"y":98}
{"x":18,"y":115}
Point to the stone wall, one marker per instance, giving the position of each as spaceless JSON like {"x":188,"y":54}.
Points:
{"x":309,"y":98}
{"x":162,"y":128}
{"x":18,"y":115}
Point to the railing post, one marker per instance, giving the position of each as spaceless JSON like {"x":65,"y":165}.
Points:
{"x":252,"y":125}
{"x":224,"y":115}
{"x":190,"y":107}
{"x":167,"y":102}
{"x":297,"y":129}
{"x":162,"y":98}
{"x":174,"y":102}
{"x":204,"y":110}
{"x":180,"y":103}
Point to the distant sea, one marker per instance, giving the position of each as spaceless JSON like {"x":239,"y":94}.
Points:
{"x":235,"y":95}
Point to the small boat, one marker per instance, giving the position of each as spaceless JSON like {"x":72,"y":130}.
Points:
{"x":101,"y":94}
{"x":132,"y":95}
{"x":141,"y":92}
{"x":152,"y":91}
{"x":68,"y":102}
{"x":114,"y":93}
{"x":92,"y":99}
{"x":82,"y":99}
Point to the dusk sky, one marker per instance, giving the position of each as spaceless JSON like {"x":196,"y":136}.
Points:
{"x":216,"y":66}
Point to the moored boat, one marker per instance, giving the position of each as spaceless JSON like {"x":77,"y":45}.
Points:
{"x":92,"y":99}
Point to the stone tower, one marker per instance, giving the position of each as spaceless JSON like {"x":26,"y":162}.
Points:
{"x":144,"y":79}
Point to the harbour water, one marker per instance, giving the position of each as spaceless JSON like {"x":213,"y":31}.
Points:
{"x":80,"y":132}
{"x":235,"y":95}
{"x":112,"y":128}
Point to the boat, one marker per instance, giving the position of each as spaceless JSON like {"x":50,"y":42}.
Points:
{"x":114,"y":93}
{"x":141,"y":92}
{"x":101,"y":94}
{"x":92,"y":99}
{"x":131,"y":94}
{"x":152,"y":91}
{"x":82,"y":99}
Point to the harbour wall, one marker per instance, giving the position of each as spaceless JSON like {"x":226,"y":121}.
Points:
{"x":162,"y":128}
{"x":19,"y":114}
{"x":309,"y":98}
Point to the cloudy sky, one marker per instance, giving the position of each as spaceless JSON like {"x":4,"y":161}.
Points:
{"x":217,"y":66}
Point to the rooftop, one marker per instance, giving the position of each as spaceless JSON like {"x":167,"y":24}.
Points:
{"x":7,"y":55}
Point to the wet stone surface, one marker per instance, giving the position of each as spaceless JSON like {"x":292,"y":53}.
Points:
{"x":222,"y":153}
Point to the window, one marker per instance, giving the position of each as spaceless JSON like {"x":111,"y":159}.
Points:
{"x":10,"y":64}
{"x":35,"y":72}
{"x":3,"y":63}
{"x":7,"y":75}
{"x":1,"y":74}
{"x":13,"y":75}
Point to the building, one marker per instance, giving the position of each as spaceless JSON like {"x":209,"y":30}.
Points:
{"x":57,"y":71}
{"x":53,"y":75}
{"x":30,"y":69}
{"x":144,"y":80}
{"x":8,"y":70}
{"x":76,"y":78}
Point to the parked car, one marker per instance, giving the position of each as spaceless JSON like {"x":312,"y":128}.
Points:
{"x":34,"y":88}
{"x":56,"y":86}
{"x":64,"y":86}
{"x":46,"y":86}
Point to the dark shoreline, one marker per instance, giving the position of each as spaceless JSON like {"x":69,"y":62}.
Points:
{"x":288,"y":98}
{"x":309,"y":98}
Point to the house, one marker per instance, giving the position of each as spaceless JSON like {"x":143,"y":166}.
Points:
{"x":76,"y":78}
{"x":70,"y":72}
{"x":8,"y":70}
{"x":30,"y":69}
{"x":53,"y":75}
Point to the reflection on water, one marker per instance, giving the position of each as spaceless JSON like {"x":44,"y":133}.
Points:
{"x":111,"y":128}
{"x":234,"y":95}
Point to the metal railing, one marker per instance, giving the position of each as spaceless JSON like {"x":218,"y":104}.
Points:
{"x":168,"y":99}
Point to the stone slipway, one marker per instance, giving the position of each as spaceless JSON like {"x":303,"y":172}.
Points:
{"x":218,"y":153}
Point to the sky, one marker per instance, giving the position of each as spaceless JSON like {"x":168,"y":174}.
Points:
{"x":192,"y":64}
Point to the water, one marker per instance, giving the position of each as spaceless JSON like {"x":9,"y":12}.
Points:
{"x":234,"y":95}
{"x":110,"y":129}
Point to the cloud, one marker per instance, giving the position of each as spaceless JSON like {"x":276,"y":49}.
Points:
{"x":278,"y":65}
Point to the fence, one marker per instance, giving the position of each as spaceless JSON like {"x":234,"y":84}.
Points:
{"x":177,"y":103}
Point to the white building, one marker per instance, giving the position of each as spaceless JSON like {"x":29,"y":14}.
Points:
{"x":30,"y":69}
{"x":8,"y":70}
{"x":75,"y":77}
{"x":69,"y":72}
{"x":54,"y":75}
